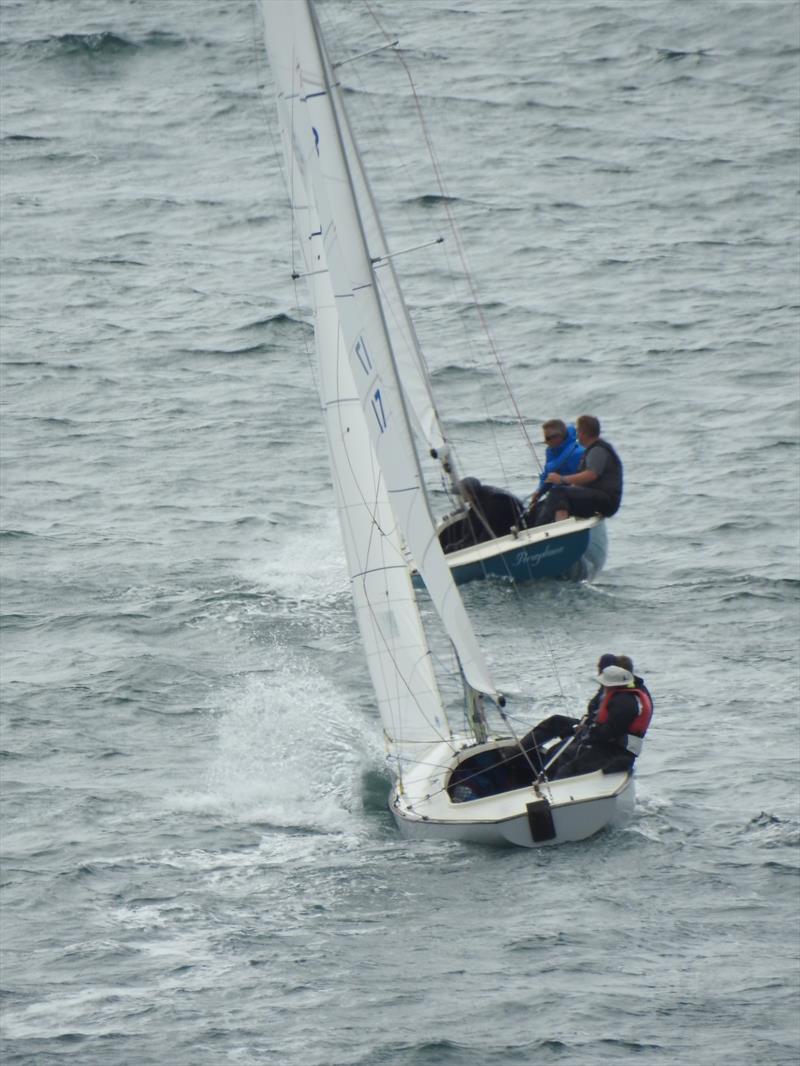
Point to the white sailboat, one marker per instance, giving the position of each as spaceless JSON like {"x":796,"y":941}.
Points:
{"x":365,"y":368}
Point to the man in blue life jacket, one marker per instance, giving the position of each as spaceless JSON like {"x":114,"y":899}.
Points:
{"x":563,"y":456}
{"x":596,"y":487}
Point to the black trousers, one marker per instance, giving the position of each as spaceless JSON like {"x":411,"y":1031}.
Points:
{"x":580,"y":501}
{"x":556,"y":727}
{"x":588,"y":759}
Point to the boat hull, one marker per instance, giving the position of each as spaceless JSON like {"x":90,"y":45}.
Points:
{"x":573,"y":550}
{"x":556,"y":812}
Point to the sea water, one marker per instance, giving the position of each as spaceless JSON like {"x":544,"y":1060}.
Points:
{"x":199,"y":866}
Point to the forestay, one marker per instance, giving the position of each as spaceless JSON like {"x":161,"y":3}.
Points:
{"x":304,"y":80}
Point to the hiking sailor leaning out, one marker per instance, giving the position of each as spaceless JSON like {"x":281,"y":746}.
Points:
{"x":597,"y":486}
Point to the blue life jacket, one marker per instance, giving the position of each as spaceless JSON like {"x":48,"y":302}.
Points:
{"x":565,"y":459}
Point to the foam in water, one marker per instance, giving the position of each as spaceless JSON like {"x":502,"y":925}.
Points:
{"x":309,"y":566}
{"x":289,"y":750}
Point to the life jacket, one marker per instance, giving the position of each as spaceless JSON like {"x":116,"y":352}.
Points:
{"x":610,"y":481}
{"x":566,"y":459}
{"x":638,"y":727}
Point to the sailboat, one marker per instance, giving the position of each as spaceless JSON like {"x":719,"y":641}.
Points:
{"x":454,"y":777}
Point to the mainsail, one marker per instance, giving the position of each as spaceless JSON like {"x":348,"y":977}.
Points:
{"x":411,"y":366}
{"x":396,"y":648}
{"x":303,"y":76}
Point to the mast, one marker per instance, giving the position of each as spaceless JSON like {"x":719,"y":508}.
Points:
{"x":475,"y":715}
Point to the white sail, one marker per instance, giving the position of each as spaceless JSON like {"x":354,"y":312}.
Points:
{"x":293,"y":40}
{"x":407,"y":353}
{"x":396,"y":649}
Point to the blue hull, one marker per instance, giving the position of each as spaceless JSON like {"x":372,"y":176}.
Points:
{"x":575,"y":553}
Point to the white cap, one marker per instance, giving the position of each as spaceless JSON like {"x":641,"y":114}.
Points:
{"x":615,"y":676}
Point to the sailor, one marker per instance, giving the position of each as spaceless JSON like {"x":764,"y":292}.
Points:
{"x":563,"y":456}
{"x":614,"y":737}
{"x":492,"y":513}
{"x":597,"y":485}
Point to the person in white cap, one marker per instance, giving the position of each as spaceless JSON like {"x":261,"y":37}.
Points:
{"x":615,"y":734}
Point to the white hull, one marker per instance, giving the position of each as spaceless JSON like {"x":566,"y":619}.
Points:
{"x":558,"y":812}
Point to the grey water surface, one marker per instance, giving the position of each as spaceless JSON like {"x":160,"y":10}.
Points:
{"x":198,"y":863}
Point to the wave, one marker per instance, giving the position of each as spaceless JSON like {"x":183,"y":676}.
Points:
{"x":732,"y":588}
{"x":280,"y":319}
{"x":539,"y":105}
{"x":432,"y":200}
{"x":674,"y":55}
{"x":253,"y":349}
{"x":115,"y":261}
{"x":66,"y":45}
{"x":771,"y":831}
{"x":460,"y":371}
{"x":484,"y":421}
{"x":104,"y":44}
{"x":24,"y":137}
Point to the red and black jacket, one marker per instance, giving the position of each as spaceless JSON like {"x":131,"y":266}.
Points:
{"x":639,"y":716}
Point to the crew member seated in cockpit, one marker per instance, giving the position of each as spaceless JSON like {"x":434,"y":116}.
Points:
{"x":491,"y":512}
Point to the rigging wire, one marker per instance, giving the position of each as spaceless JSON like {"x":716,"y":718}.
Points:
{"x":366,"y":95}
{"x":379,"y":126}
{"x":437,"y":169}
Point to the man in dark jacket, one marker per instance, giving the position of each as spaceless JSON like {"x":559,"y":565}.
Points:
{"x":491,"y":513}
{"x":607,"y":744}
{"x":627,"y":664}
{"x":597,"y":486}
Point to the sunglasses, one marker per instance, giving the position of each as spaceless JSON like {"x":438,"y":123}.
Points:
{"x":552,"y":436}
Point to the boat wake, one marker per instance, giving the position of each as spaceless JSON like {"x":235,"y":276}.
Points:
{"x":289,"y":752}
